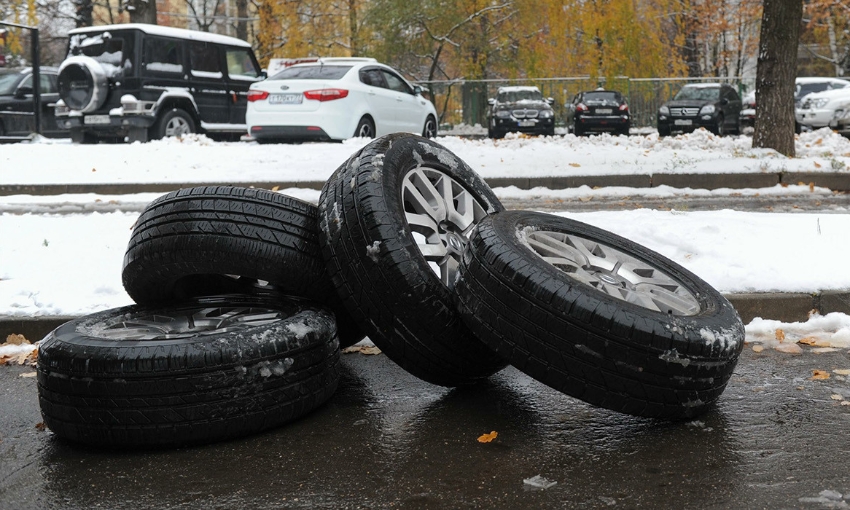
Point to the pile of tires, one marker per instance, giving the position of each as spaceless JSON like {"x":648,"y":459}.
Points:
{"x":244,"y":297}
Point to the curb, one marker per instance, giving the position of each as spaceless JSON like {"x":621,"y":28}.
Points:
{"x":834,"y":181}
{"x":781,"y":306}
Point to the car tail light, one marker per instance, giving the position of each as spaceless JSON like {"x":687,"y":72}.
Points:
{"x":257,"y":95}
{"x":581,"y":107}
{"x":325,"y":94}
{"x":624,"y":107}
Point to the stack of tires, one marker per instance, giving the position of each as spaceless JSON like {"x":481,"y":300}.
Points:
{"x":244,"y":297}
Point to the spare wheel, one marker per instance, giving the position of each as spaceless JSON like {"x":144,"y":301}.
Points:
{"x":82,"y":83}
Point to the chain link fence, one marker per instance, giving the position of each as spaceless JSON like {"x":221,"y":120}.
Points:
{"x":465,"y":102}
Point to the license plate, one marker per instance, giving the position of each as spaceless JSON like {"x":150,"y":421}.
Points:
{"x":686,"y":122}
{"x":96,"y":119}
{"x":285,"y":99}
{"x":526,"y":123}
{"x":604,"y":111}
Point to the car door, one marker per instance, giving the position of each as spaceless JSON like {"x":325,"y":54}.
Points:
{"x":381,"y":100}
{"x":242,"y":71}
{"x":731,"y":107}
{"x":163,"y":60}
{"x":21,"y":104}
{"x":409,"y":113}
{"x":208,"y":85}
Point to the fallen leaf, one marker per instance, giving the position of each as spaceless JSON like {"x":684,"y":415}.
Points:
{"x":575,"y":165}
{"x":585,"y":199}
{"x":780,"y":335}
{"x":842,"y":371}
{"x":275,"y":188}
{"x":4,"y":359}
{"x":40,"y":425}
{"x":836,"y":396}
{"x":28,"y":374}
{"x":817,"y":165}
{"x":845,"y":402}
{"x":362,"y":349}
{"x":16,"y":339}
{"x":789,"y":348}
{"x":486,"y":438}
{"x":812,"y":187}
{"x":758,"y":348}
{"x":809,"y":340}
{"x":819,"y":375}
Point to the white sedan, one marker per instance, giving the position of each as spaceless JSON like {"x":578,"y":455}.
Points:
{"x":336,"y":99}
{"x":820,"y":109}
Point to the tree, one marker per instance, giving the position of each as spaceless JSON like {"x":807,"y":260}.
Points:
{"x":141,"y":11}
{"x":775,"y":74}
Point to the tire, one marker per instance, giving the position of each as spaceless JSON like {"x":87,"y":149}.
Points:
{"x":366,"y":210}
{"x":641,"y":357}
{"x":174,"y":122}
{"x":663,"y":130}
{"x":213,"y":369}
{"x":495,"y":134}
{"x":83,"y":83}
{"x":578,"y":131}
{"x":430,"y":129}
{"x":194,"y":241}
{"x":550,"y":131}
{"x":365,"y":128}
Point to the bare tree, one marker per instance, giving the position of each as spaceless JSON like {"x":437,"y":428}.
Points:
{"x":141,"y":11}
{"x":775,"y":74}
{"x":205,"y":13}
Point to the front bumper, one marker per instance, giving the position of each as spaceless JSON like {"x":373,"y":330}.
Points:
{"x":531,"y":126}
{"x":687,"y":124}
{"x":814,"y":118}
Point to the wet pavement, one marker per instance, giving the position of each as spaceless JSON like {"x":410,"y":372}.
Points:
{"x":776,"y":439}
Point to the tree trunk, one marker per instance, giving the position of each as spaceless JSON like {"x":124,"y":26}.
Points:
{"x":777,"y":68}
{"x":142,"y":11}
{"x":354,"y":44}
{"x":84,"y":13}
{"x":242,"y":19}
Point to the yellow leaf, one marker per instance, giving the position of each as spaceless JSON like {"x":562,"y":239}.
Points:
{"x":842,"y":371}
{"x":809,"y":340}
{"x":789,"y":348}
{"x":575,"y":165}
{"x":817,"y":165}
{"x":812,"y":187}
{"x":486,"y":438}
{"x":780,"y":335}
{"x":819,"y":375}
{"x":758,"y":348}
{"x":362,"y":349}
{"x":275,"y":188}
{"x":15,"y":339}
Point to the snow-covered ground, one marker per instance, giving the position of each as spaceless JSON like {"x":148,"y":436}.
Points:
{"x":70,"y":263}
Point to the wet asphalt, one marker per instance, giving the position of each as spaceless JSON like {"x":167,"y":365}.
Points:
{"x":776,"y":439}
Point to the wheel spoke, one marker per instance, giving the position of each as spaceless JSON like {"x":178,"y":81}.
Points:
{"x":185,"y":322}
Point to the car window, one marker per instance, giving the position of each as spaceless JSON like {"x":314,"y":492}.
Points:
{"x":699,"y":93}
{"x":804,"y":89}
{"x":204,"y":60}
{"x":372,"y":77}
{"x":512,"y":96}
{"x":396,"y":83}
{"x":240,"y":65}
{"x":312,"y":72}
{"x":113,"y":53}
{"x":8,"y":83}
{"x":162,"y":55}
{"x":602,"y":96}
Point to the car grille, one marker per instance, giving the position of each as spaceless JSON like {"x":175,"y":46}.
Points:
{"x":525,"y":114}
{"x":684,"y":112}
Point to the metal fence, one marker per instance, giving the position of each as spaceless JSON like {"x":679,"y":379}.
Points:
{"x":465,"y":102}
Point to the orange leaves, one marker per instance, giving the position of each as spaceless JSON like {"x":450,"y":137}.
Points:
{"x":370,"y":350}
{"x":487,"y":438}
{"x":819,"y":375}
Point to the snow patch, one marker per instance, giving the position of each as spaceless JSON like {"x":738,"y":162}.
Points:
{"x":373,"y":251}
{"x":300,"y":329}
{"x":672,"y":356}
{"x":443,"y":155}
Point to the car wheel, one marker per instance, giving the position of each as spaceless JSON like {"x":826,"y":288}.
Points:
{"x":663,"y":130}
{"x":208,"y":370}
{"x":78,"y":135}
{"x":222,"y":239}
{"x":175,"y":122}
{"x":550,"y":131}
{"x":365,"y":128}
{"x":430,"y":129}
{"x":393,"y":221}
{"x":596,"y":316}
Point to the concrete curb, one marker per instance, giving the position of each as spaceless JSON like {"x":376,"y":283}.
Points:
{"x":834,"y":181}
{"x":785,"y":307}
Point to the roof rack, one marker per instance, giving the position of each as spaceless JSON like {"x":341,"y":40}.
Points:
{"x":336,"y":60}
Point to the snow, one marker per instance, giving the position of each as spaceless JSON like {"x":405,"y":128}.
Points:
{"x":63,"y":254}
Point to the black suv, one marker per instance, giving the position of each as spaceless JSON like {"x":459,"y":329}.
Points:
{"x":598,"y":110}
{"x":520,"y":109}
{"x":714,"y":106}
{"x":143,"y":82}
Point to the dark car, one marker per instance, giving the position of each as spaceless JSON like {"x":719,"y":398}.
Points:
{"x":714,"y":106}
{"x":598,"y":111}
{"x":142,"y":82}
{"x":16,"y":102}
{"x":520,"y":110}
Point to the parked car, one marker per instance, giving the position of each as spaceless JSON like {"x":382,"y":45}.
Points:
{"x":806,"y":85}
{"x":336,"y":99}
{"x":16,"y":102}
{"x":748,"y":111}
{"x":146,"y":81}
{"x":714,"y":106}
{"x":520,"y":109}
{"x":822,"y":109}
{"x":598,"y":110}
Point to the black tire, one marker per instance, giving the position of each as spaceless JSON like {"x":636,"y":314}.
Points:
{"x":222,"y":367}
{"x":185,"y":242}
{"x":430,"y":129}
{"x":550,"y":131}
{"x":379,"y":270}
{"x":663,"y":130}
{"x":561,"y":330}
{"x":174,"y":122}
{"x":578,"y":130}
{"x":365,"y":128}
{"x":495,"y":134}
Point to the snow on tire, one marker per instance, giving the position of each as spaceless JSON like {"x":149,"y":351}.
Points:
{"x":207,"y":370}
{"x":596,"y":316}
{"x":393,"y":221}
{"x":194,"y":241}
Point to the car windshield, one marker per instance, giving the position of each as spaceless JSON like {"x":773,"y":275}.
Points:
{"x":699,"y":93}
{"x":105,"y":48}
{"x":513,"y":96}
{"x":804,"y":89}
{"x":307,"y":72}
{"x":8,"y":81}
{"x":601,"y":97}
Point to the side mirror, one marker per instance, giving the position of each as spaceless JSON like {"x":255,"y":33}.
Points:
{"x":724,"y":102}
{"x":550,"y":100}
{"x":264,"y":74}
{"x":22,"y":92}
{"x":417,"y":90}
{"x":491,"y":101}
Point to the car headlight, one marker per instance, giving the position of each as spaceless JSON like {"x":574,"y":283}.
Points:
{"x":818,"y":103}
{"x":707,"y":109}
{"x":546,"y":114}
{"x":664,"y":110}
{"x":503,"y":114}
